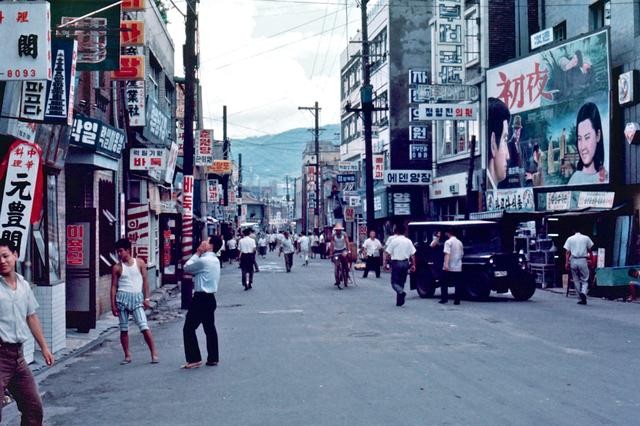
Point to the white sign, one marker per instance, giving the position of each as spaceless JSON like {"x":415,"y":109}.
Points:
{"x":407,"y":177}
{"x":136,"y":104}
{"x":378,"y":166}
{"x":443,"y":93}
{"x":560,"y":200}
{"x":354,"y":201}
{"x":541,"y":38}
{"x":419,"y":133}
{"x":347,"y":166}
{"x":450,"y":42}
{"x":172,"y":159}
{"x":147,"y":159}
{"x":401,"y":203}
{"x":454,"y":185}
{"x":33,"y":100}
{"x":447,"y":112}
{"x":25,"y":31}
{"x":626,"y":85}
{"x":602,"y":200}
{"x":204,"y":148}
{"x":213,"y":196}
{"x":180,"y":135}
{"x":514,"y":199}
{"x":377,"y":203}
{"x":187,"y":196}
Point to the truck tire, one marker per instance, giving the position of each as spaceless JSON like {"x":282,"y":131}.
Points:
{"x":478,"y":285}
{"x":524,"y":287}
{"x":425,"y":285}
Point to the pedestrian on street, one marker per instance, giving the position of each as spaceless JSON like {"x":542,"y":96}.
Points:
{"x":371,"y":249}
{"x":286,"y":248}
{"x":262,"y":246}
{"x":232,"y":250}
{"x":322,"y":247}
{"x":272,"y":241}
{"x":304,"y":244}
{"x":247,"y":248}
{"x":130,"y":296}
{"x":205,"y":268}
{"x":18,"y":320}
{"x":314,"y":244}
{"x":452,"y":268}
{"x":577,"y":249}
{"x":400,"y":254}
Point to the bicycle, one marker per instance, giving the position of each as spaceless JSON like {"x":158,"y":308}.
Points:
{"x":341,"y":269}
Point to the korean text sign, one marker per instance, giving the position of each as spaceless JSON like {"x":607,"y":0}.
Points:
{"x":21,"y":194}
{"x":26,"y":39}
{"x":557,"y":101}
{"x":97,"y":136}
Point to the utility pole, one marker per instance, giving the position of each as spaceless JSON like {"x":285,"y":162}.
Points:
{"x":190,"y":64}
{"x":316,"y":113}
{"x":225,"y":156}
{"x":472,"y":159}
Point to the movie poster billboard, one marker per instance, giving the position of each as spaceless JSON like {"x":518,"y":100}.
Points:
{"x":551,"y":111}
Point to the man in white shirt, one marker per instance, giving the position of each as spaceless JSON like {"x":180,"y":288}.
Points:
{"x":286,"y":247}
{"x":452,"y":268}
{"x":262,"y":246}
{"x":400,"y":254}
{"x":304,"y":244}
{"x":205,"y":268}
{"x":578,"y":248}
{"x":371,"y":249}
{"x":247,"y":249}
{"x":232,"y":250}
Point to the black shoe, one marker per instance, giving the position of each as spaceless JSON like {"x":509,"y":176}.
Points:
{"x":398,"y":298}
{"x":402,"y":296}
{"x":456,"y":302}
{"x":583,"y":299}
{"x":443,"y":302}
{"x":250,"y":286}
{"x":364,"y":276}
{"x":246,"y":287}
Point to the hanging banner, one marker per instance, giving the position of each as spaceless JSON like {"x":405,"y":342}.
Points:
{"x":61,"y":88}
{"x":204,"y":148}
{"x":556,"y":103}
{"x":21,"y":194}
{"x":172,"y":159}
{"x":131,"y":68}
{"x":138,"y":230}
{"x":98,"y":35}
{"x":180,"y":136}
{"x":26,"y":40}
{"x":213,"y":196}
{"x":134,"y":91}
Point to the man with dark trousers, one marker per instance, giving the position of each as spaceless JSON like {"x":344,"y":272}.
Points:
{"x":247,"y":248}
{"x":452,"y":268}
{"x":205,"y":268}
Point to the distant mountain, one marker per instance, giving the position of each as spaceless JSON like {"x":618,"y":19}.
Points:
{"x":268,"y":159}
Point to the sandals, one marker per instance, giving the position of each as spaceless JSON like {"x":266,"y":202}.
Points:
{"x":191,"y":365}
{"x":125,"y":361}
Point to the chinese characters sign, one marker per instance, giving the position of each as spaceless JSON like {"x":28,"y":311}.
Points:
{"x":449,"y":42}
{"x":21,"y":195}
{"x":603,"y":200}
{"x":26,"y":41}
{"x":134,"y":91}
{"x":61,"y":89}
{"x":407,"y":177}
{"x":517,"y":199}
{"x":558,"y":200}
{"x":97,"y":136}
{"x":204,"y":148}
{"x":546,"y":94}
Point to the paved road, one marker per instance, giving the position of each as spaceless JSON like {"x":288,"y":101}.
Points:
{"x":297,"y":351}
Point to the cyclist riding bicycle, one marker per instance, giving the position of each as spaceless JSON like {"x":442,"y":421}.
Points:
{"x":339,"y":253}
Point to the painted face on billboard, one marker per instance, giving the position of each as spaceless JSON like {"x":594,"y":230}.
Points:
{"x":500,"y":153}
{"x":588,"y":140}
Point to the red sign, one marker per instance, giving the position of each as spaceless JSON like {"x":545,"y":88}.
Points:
{"x":131,"y":68}
{"x":133,"y":5}
{"x":138,"y":230}
{"x":132,"y":33}
{"x":187,"y":196}
{"x":75,"y":245}
{"x":378,"y":167}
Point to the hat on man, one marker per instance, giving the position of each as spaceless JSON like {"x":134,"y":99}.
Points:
{"x":338,"y":227}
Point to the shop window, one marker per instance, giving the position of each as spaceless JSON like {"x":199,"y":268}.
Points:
{"x":45,"y":253}
{"x":107,"y":224}
{"x":600,"y":14}
{"x":560,"y":31}
{"x":472,"y":36}
{"x":456,"y":138}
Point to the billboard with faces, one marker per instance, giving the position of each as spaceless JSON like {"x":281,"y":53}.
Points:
{"x":548,"y":117}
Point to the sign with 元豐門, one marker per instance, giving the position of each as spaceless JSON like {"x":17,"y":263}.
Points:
{"x":407,"y":177}
{"x":97,"y":136}
{"x":25,"y":32}
{"x":204,"y":148}
{"x":542,"y":96}
{"x":21,"y":194}
{"x":378,"y":166}
{"x":449,"y":42}
{"x":457,"y":112}
{"x":515,"y":199}
{"x":602,"y":200}
{"x":560,"y":200}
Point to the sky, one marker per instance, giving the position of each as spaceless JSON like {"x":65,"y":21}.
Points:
{"x":265,"y":58}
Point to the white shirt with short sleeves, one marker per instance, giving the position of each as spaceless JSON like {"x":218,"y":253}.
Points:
{"x":400,"y":248}
{"x":372,"y":247}
{"x":247,"y":245}
{"x":453,"y":247}
{"x":579,"y":245}
{"x":15,"y":306}
{"x":304,"y":243}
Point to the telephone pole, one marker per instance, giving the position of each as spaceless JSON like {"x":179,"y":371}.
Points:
{"x":225,"y":156}
{"x":190,"y":64}
{"x":315,"y":110}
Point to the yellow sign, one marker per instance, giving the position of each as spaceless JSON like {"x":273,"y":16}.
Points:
{"x":132,"y":33}
{"x":220,"y":167}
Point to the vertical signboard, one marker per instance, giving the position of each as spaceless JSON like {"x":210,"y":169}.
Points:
{"x":378,"y":166}
{"x":61,"y":89}
{"x":138,"y":230}
{"x":134,"y":91}
{"x":556,"y":103}
{"x":80,"y":290}
{"x":449,"y":46}
{"x":204,"y":148}
{"x":213,"y":195}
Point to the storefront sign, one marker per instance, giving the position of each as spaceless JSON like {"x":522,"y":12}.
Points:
{"x":134,"y":91}
{"x":400,"y":203}
{"x":77,"y":245}
{"x":180,"y":136}
{"x":559,"y":200}
{"x":447,"y":112}
{"x":97,"y":136}
{"x":407,"y":177}
{"x":346,"y":178}
{"x":447,"y":186}
{"x":33,"y":100}
{"x":349,"y":214}
{"x":355,"y":201}
{"x":348,"y":166}
{"x":220,"y":167}
{"x":147,"y":159}
{"x":187,"y":196}
{"x":544,"y":95}
{"x":378,"y":166}
{"x":449,"y":42}
{"x":61,"y":89}
{"x":131,"y":68}
{"x":138,"y":230}
{"x":377,"y":203}
{"x":213,"y":196}
{"x":418,"y":76}
{"x":156,"y":129}
{"x":516,"y":199}
{"x":204,"y":148}
{"x":26,"y":39}
{"x":21,"y":194}
{"x":443,"y":93}
{"x":98,"y":44}
{"x":602,"y":200}
{"x":172,"y":159}
{"x":132,"y":33}
{"x":419,"y":133}
{"x":133,"y":5}
{"x":419,"y":151}
{"x":541,"y":38}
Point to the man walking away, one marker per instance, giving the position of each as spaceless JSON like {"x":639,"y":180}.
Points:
{"x":247,"y":247}
{"x":262,"y":246}
{"x":130,"y":296}
{"x":18,"y":319}
{"x":400,"y":253}
{"x":205,"y":268}
{"x":371,"y":249}
{"x":452,"y":268}
{"x":304,"y":244}
{"x":286,"y":247}
{"x":578,"y":247}
{"x":255,"y":258}
{"x":232,"y":250}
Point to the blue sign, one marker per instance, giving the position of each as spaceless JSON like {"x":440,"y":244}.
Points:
{"x":346,"y":178}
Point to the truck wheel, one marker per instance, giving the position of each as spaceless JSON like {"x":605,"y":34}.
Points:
{"x":425,"y":286}
{"x":478,"y":286}
{"x":524,"y":287}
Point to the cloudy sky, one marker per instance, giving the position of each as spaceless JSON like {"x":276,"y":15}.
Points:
{"x":264,"y":58}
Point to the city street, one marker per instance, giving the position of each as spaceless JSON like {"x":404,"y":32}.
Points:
{"x":297,"y":351}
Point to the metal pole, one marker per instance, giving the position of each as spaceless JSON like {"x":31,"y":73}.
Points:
{"x":316,"y":218}
{"x":366,"y":100}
